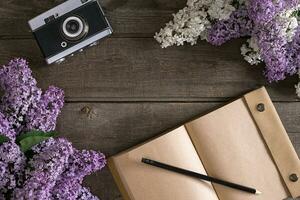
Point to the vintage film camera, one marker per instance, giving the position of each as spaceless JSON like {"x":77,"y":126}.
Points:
{"x":69,"y":27}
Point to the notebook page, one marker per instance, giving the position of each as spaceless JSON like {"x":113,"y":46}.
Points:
{"x":144,"y":182}
{"x":231,"y":148}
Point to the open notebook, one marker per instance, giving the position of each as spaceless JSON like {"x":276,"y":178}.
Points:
{"x":236,"y":143}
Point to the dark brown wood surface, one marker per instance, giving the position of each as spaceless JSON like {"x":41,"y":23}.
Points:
{"x":133,"y":89}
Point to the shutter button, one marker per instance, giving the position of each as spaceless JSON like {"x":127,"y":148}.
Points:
{"x":260,"y":107}
{"x":294,"y":177}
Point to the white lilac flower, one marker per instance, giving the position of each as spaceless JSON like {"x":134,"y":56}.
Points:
{"x":187,"y":26}
{"x":193,"y":21}
{"x":289,"y":23}
{"x":220,"y":9}
{"x":242,"y":2}
{"x":298,"y":89}
{"x":298,"y":86}
{"x":251,"y":53}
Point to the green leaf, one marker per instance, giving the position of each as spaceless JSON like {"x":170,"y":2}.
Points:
{"x":28,"y":140}
{"x":35,"y":133}
{"x":27,"y":143}
{"x":3,"y":139}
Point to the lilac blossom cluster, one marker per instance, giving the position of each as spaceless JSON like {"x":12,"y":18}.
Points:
{"x":238,"y":25}
{"x":56,"y":171}
{"x":53,"y":169}
{"x":12,"y":166}
{"x":23,"y":103}
{"x":271,"y":25}
{"x":264,"y":11}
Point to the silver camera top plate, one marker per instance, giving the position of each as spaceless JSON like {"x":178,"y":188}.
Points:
{"x":57,"y":11}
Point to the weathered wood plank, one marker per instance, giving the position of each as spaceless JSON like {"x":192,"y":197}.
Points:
{"x":133,"y":17}
{"x":114,"y":127}
{"x":123,"y":69}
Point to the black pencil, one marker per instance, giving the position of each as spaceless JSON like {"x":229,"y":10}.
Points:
{"x":200,"y":176}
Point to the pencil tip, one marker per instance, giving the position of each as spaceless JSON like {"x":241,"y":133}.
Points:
{"x":258,"y":192}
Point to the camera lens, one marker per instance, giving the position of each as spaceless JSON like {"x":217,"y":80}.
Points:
{"x":74,"y":28}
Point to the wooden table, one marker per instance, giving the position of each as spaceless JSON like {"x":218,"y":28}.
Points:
{"x":128,"y":89}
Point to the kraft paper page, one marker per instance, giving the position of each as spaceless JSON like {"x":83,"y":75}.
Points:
{"x":146,"y":182}
{"x":232,"y":148}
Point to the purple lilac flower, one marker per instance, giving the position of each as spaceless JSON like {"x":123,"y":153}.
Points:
{"x":67,"y":189}
{"x":80,"y":164}
{"x":278,"y":55}
{"x":70,"y":190}
{"x":258,"y":19}
{"x":20,"y":90}
{"x":23,"y":103}
{"x":263,"y":11}
{"x":12,"y":165}
{"x":45,"y":167}
{"x":83,"y":163}
{"x":238,"y":25}
{"x":6,"y":128}
{"x":56,"y":170}
{"x":293,"y":53}
{"x":43,"y":116}
{"x":85,"y":194}
{"x":273,"y":50}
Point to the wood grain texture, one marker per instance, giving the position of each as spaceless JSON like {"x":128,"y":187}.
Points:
{"x":137,"y":69}
{"x":114,"y":127}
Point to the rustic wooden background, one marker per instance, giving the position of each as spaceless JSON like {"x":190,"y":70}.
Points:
{"x":128,"y":89}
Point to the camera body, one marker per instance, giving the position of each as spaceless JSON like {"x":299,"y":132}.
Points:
{"x":68,"y":28}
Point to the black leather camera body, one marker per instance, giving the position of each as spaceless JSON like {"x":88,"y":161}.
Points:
{"x":68,"y":28}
